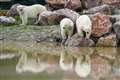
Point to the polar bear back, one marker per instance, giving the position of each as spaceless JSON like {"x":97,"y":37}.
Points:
{"x":83,"y":21}
{"x":33,"y":10}
{"x":66,"y":22}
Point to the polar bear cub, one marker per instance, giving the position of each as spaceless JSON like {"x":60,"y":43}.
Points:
{"x":67,"y":27}
{"x":84,"y":25}
{"x":32,"y":11}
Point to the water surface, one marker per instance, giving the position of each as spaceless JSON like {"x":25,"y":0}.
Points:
{"x":50,"y":61}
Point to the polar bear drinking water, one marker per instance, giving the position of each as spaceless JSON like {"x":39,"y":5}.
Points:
{"x":32,"y":11}
{"x":84,"y":25}
{"x":67,"y":27}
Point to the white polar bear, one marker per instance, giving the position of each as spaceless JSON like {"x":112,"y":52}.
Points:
{"x":67,"y":27}
{"x":84,"y":24}
{"x":32,"y":11}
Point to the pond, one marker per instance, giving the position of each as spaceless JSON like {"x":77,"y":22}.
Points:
{"x":50,"y":61}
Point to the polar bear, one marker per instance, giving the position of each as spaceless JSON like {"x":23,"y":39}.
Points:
{"x":32,"y":11}
{"x":67,"y":27}
{"x":84,"y":25}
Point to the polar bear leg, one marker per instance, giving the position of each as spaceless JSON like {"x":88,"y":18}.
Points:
{"x":80,"y":32}
{"x":37,"y":20}
{"x":24,"y":20}
{"x":70,"y":33}
{"x":64,"y":36}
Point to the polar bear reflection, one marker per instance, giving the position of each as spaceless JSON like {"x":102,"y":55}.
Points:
{"x":30,"y":64}
{"x":83,"y":66}
{"x":66,"y":61}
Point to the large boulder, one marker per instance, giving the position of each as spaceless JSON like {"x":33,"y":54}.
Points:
{"x":102,"y":9}
{"x":107,"y":41}
{"x":87,"y":4}
{"x":7,"y":20}
{"x":59,"y":4}
{"x":52,"y":18}
{"x":13,"y":10}
{"x":68,"y":13}
{"x":101,"y":24}
{"x":78,"y":41}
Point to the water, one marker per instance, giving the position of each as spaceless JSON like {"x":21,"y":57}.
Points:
{"x":50,"y":61}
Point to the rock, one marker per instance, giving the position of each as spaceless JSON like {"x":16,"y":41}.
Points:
{"x":107,"y":41}
{"x":59,"y":4}
{"x":100,"y":67}
{"x":68,"y":13}
{"x":116,"y":28}
{"x":115,"y":18}
{"x":112,"y":3}
{"x":107,"y":52}
{"x":87,"y":4}
{"x":13,"y":11}
{"x":7,"y":20}
{"x":50,"y":18}
{"x":105,"y":9}
{"x":101,"y":24}
{"x":116,"y":11}
{"x":76,"y":40}
{"x":74,"y":4}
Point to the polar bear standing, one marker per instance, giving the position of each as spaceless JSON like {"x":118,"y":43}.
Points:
{"x":67,"y":27}
{"x":26,"y":12}
{"x":84,"y":24}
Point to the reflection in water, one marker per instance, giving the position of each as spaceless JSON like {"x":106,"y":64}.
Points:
{"x":30,"y":64}
{"x":83,"y":66}
{"x":7,"y":56}
{"x":90,"y":63}
{"x":66,"y":60}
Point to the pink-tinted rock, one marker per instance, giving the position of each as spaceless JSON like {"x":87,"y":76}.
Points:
{"x":74,"y":4}
{"x":107,"y":41}
{"x":102,"y":9}
{"x":52,"y":18}
{"x":59,"y":4}
{"x":100,"y":67}
{"x":76,"y":40}
{"x":101,"y":24}
{"x":68,"y":13}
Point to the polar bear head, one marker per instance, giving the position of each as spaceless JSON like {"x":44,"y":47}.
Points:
{"x":20,"y":9}
{"x":87,"y":32}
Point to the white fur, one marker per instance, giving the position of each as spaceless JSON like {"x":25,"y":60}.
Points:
{"x":83,"y":68}
{"x":83,"y":23}
{"x":26,"y":12}
{"x":66,"y":62}
{"x":67,"y":27}
{"x":30,"y":64}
